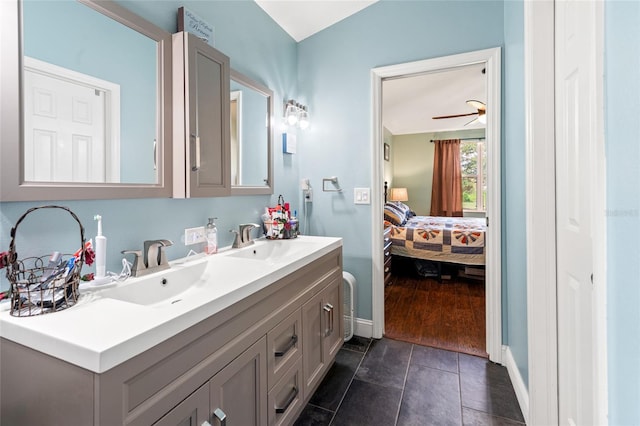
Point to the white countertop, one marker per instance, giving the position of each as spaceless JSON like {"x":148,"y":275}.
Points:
{"x":100,"y":332}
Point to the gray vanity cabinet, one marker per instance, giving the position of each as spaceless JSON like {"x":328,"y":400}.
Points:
{"x":255,"y":363}
{"x":202,"y":141}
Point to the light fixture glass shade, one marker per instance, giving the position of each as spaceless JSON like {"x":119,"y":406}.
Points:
{"x":399,"y":194}
{"x":482,"y":118}
{"x":303,"y":118}
{"x":291,"y":114}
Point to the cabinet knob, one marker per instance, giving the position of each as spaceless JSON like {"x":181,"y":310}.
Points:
{"x":221,"y":416}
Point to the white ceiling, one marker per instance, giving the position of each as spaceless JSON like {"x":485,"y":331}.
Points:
{"x":303,"y":18}
{"x":408,"y":103}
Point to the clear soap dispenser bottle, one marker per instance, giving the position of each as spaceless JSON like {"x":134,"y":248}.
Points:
{"x":211,"y":235}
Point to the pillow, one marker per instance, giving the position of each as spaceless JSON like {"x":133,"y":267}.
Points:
{"x":394,"y":215}
{"x":405,"y":209}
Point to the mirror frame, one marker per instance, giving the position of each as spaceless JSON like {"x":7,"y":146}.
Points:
{"x":268,"y":93}
{"x":12,"y":185}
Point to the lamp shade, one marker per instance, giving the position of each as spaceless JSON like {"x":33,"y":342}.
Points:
{"x":399,"y":194}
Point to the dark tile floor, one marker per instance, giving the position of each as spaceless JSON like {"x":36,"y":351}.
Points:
{"x":388,"y":382}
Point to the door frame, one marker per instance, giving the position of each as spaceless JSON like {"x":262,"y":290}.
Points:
{"x":542,"y":306}
{"x":492,"y":59}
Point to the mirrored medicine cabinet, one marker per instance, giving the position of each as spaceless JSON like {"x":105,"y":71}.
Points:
{"x":95,"y":69}
{"x":86,"y":102}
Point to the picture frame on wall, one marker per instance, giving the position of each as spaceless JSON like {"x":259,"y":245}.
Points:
{"x":387,"y":148}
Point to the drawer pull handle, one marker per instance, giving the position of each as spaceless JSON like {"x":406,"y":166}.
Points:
{"x":221,"y":416}
{"x":291,"y":344}
{"x":290,"y":399}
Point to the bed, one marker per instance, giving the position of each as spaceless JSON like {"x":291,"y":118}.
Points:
{"x":458,"y":240}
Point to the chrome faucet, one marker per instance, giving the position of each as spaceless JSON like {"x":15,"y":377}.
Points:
{"x":152,"y":259}
{"x":243,"y":235}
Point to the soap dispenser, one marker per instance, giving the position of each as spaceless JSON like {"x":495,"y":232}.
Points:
{"x":211,"y":235}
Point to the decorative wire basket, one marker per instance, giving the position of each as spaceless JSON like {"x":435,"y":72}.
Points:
{"x":31,"y":292}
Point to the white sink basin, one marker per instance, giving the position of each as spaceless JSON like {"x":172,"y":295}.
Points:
{"x":160,"y":286}
{"x":273,"y":251}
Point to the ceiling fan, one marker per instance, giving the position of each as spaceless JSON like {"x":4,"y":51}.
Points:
{"x":481,"y":113}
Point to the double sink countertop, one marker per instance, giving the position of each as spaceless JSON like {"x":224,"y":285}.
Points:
{"x":110,"y":325}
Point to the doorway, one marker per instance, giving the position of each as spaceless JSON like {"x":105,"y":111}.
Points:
{"x":490,"y":59}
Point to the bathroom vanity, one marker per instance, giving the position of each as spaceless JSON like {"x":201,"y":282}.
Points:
{"x":247,"y":344}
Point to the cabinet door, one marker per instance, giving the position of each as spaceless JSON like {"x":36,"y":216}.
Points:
{"x":314,"y":325}
{"x":239,"y":391}
{"x":207,"y":120}
{"x":193,"y":411}
{"x":322,"y":332}
{"x":333,"y":298}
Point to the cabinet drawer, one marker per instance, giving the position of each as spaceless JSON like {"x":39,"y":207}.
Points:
{"x":283,"y":347}
{"x":285,"y":399}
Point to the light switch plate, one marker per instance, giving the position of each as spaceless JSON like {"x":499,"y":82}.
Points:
{"x":361,"y":196}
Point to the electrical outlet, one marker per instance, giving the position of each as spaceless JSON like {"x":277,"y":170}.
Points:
{"x":194,"y":235}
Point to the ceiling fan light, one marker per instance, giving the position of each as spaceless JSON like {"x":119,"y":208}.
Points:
{"x":482,"y":118}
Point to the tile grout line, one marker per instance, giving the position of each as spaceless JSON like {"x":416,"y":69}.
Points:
{"x":459,"y":386}
{"x":404,"y":384}
{"x":350,"y":382}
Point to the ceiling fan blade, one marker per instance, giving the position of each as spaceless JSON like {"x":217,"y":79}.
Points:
{"x":454,"y":116}
{"x":477,"y":104}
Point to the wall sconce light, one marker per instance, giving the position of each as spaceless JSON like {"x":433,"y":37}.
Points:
{"x":296,"y":114}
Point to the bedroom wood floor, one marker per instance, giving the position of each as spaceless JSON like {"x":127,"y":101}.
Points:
{"x":448,"y":315}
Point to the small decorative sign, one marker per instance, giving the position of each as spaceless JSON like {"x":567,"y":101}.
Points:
{"x":190,"y":22}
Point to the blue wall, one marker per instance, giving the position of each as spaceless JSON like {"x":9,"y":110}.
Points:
{"x":622,"y":135}
{"x":334,"y":77}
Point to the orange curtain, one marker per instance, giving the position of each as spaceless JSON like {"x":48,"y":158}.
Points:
{"x":446,"y":192}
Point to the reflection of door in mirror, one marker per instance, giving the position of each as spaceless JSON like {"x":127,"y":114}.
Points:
{"x":251,"y":136}
{"x":236,"y":137}
{"x":72,"y":125}
{"x":75,"y":133}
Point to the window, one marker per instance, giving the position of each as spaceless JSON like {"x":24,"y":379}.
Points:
{"x":473,"y":160}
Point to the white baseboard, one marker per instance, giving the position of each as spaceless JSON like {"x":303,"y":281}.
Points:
{"x":522,"y":393}
{"x":363,"y":328}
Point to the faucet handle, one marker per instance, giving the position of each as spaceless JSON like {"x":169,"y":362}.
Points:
{"x":137,"y":264}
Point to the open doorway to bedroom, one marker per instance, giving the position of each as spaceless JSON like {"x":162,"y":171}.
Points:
{"x":438,"y":130}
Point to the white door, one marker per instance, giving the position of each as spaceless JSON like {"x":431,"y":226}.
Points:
{"x":71,"y":125}
{"x":64,"y":130}
{"x":576,"y":141}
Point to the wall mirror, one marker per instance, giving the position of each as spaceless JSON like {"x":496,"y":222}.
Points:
{"x":251,"y":136}
{"x":86,"y":102}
